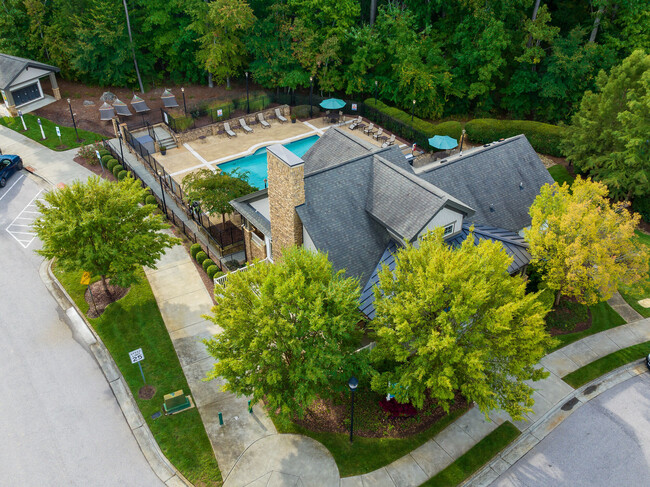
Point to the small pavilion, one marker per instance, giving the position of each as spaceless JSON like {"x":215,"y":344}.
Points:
{"x":20,"y":84}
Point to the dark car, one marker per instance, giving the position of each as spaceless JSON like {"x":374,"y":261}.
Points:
{"x":647,"y":361}
{"x":8,"y":166}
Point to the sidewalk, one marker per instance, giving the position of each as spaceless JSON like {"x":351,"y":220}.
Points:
{"x":54,"y":167}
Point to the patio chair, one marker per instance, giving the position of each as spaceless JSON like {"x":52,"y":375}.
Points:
{"x":390,"y":141}
{"x":356,"y":123}
{"x":379,"y":133}
{"x":369,"y":129}
{"x":229,"y":132}
{"x":279,"y":115}
{"x":265,"y":124}
{"x":245,"y":126}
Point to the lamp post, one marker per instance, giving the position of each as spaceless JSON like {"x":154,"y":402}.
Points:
{"x":311,"y":90}
{"x":412,"y":107}
{"x":352,"y":384}
{"x":248,"y":106}
{"x":462,"y":138}
{"x":184,"y":105}
{"x":376,"y":92}
{"x":73,"y":122}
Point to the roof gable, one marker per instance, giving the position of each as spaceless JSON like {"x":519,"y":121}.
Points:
{"x":12,"y":66}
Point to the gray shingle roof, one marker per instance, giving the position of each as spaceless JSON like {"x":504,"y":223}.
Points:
{"x":244,"y":207}
{"x":12,"y":66}
{"x":499,"y":182}
{"x":335,"y":146}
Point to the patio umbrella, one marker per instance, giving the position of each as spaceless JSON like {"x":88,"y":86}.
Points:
{"x":121,"y":108}
{"x":332,"y":104}
{"x":443,"y":142}
{"x":106,"y":112}
{"x":168,"y":99}
{"x":139,"y":104}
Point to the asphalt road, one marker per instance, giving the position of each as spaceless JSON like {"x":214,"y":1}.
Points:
{"x":60,"y":424}
{"x":604,"y":443}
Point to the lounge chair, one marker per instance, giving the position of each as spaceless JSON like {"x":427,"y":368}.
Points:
{"x":265,"y":124}
{"x":245,"y":126}
{"x":228,"y":130}
{"x":390,"y":141}
{"x":356,"y":123}
{"x":379,"y":133}
{"x":279,"y":115}
{"x":369,"y":129}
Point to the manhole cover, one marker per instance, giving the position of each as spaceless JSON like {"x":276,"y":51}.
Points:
{"x":591,"y":389}
{"x":568,"y":406}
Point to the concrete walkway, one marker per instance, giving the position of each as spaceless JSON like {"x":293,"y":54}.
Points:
{"x":627,"y":312}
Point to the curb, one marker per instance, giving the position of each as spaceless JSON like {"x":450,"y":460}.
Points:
{"x":549,"y":421}
{"x":85,"y":334}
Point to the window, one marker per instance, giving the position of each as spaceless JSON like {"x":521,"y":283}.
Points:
{"x":449,"y":229}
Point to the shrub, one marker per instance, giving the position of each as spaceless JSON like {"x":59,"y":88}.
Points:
{"x":116,"y":169}
{"x":88,"y":153}
{"x":207,"y":263}
{"x":122,"y":174}
{"x":218,"y":274}
{"x":302,"y":111}
{"x":103,"y":152}
{"x":151,"y":200}
{"x":111,"y":164}
{"x":212,"y":271}
{"x":195,"y":249}
{"x":451,"y":128}
{"x":182,"y":123}
{"x":105,"y":158}
{"x":397,"y":410}
{"x":200,"y":257}
{"x":544,"y":137}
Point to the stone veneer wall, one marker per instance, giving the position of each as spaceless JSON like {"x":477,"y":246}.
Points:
{"x":217,"y":128}
{"x":286,"y":191}
{"x":253,"y":251}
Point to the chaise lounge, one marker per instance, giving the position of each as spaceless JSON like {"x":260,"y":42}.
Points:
{"x":265,"y":124}
{"x":229,"y":132}
{"x":245,"y":126}
{"x":279,"y":115}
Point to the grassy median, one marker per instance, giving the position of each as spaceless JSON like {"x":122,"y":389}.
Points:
{"x":135,"y":322}
{"x":68,"y":136}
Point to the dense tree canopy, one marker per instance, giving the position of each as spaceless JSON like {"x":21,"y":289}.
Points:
{"x":583,"y":244}
{"x":289,"y":331}
{"x":454,"y":321}
{"x":529,"y":58}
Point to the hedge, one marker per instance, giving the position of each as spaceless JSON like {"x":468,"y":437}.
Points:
{"x":117,"y":169}
{"x":105,"y":158}
{"x":206,"y":263}
{"x":214,"y":272}
{"x":451,"y":128}
{"x":104,"y":152}
{"x":545,"y":138}
{"x":200,"y":257}
{"x":302,"y":111}
{"x":195,"y":249}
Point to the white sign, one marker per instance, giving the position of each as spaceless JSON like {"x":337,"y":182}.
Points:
{"x":136,"y":356}
{"x":219,"y":112}
{"x":98,"y":156}
{"x":354,"y":107}
{"x":166,"y":119}
{"x":58,"y":132}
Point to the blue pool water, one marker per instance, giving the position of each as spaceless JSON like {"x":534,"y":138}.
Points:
{"x":255,"y":164}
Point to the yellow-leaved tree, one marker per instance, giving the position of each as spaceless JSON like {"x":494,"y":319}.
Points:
{"x":584,"y":245}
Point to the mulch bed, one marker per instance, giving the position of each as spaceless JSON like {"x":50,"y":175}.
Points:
{"x":370,"y":420}
{"x":146,"y":392}
{"x":562,"y":312}
{"x":95,"y":168}
{"x":100,"y":299}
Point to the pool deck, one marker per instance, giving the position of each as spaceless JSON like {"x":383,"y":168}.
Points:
{"x":209,"y":152}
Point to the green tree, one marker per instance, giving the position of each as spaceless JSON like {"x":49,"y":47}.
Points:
{"x":215,"y":190}
{"x":222,"y":26}
{"x":453,"y":321}
{"x":584,"y":245}
{"x":289,"y":331}
{"x":608,"y":135}
{"x":100,"y":227}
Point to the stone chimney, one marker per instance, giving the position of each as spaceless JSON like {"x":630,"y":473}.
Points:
{"x":286,"y":173}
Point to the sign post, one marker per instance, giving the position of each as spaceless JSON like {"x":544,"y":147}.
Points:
{"x":58,"y":133}
{"x":136,"y":357}
{"x":85,"y":281}
{"x":100,"y":160}
{"x":41,"y":126}
{"x":20,"y":114}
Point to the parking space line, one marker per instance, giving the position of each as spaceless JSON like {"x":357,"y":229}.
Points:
{"x":24,"y":242}
{"x":7,"y":191}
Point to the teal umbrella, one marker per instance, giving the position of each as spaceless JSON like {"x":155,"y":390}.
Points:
{"x":443,"y":142}
{"x":332,"y":104}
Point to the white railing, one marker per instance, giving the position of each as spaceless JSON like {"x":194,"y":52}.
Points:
{"x":221,"y":280}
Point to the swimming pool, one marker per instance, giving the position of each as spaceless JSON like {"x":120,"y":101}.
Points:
{"x":255,"y":164}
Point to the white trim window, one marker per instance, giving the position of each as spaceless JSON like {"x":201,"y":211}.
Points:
{"x":448,"y":230}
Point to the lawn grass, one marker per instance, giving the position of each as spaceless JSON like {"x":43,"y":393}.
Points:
{"x":135,"y":322}
{"x":560,"y":174}
{"x":603,"y":317}
{"x":640,"y":290}
{"x":366,"y":454}
{"x":476,"y":457}
{"x":606,"y":364}
{"x":68,"y":136}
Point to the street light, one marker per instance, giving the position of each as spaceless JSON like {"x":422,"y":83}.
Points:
{"x":248,"y":106}
{"x":462,"y":138}
{"x":73,"y":122}
{"x":352,"y":384}
{"x":376,"y":92}
{"x":311,"y":90}
{"x":184,"y":105}
{"x":412,"y":112}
